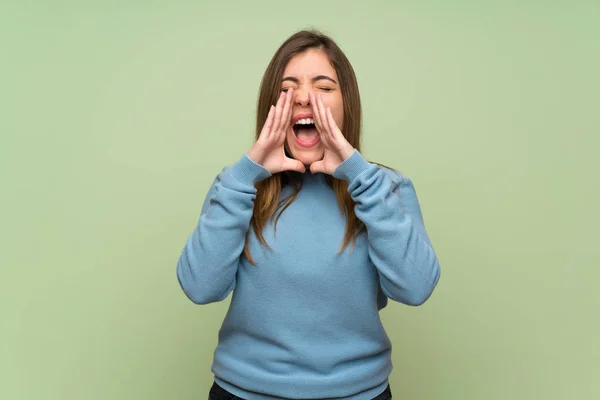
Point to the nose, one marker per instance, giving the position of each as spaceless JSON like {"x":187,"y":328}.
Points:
{"x":302,"y":97}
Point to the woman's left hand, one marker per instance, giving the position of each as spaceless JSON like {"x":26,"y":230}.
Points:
{"x":336,"y":147}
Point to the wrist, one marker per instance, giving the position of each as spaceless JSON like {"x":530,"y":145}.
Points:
{"x":346,"y":153}
{"x":248,"y":171}
{"x":254,"y":156}
{"x":351,"y":167}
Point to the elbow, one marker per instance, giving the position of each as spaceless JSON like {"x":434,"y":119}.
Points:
{"x":191,"y":288}
{"x":426,"y":288}
{"x":427,"y":282}
{"x":417,"y":292}
{"x":190,"y":285}
{"x":417,"y":299}
{"x":197,"y":291}
{"x":410,"y":297}
{"x":198,"y":294}
{"x":201,"y":298}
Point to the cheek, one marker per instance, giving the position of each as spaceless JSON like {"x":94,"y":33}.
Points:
{"x":338,"y":116}
{"x":337,"y":110}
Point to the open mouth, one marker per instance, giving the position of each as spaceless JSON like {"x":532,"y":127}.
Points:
{"x":306,"y":132}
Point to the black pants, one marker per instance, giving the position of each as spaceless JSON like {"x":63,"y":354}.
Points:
{"x":218,"y":393}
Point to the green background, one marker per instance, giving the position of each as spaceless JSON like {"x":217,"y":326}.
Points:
{"x":116,"y":116}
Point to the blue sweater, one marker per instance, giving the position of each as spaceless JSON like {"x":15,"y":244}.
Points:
{"x":304,"y":322}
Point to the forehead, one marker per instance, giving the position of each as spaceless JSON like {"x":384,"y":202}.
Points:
{"x":308,"y":64}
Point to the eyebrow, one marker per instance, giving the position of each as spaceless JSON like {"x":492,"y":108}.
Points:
{"x":316,"y":78}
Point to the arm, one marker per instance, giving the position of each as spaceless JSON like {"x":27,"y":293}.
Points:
{"x":209,"y":261}
{"x":399,"y":246}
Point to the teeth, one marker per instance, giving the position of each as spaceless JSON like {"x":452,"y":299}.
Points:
{"x":305,"y":121}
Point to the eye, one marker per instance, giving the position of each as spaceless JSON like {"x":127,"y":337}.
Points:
{"x":326,"y":89}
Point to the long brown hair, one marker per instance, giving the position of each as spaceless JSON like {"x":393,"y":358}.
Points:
{"x":267,"y":202}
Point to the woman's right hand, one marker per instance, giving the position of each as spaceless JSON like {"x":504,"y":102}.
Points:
{"x":268,"y":150}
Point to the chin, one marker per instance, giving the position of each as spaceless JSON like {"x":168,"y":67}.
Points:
{"x":305,"y":154}
{"x":308,"y":157}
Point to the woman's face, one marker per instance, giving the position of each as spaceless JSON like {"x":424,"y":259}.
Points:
{"x":307,"y":72}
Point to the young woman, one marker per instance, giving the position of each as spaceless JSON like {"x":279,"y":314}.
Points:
{"x":311,"y":238}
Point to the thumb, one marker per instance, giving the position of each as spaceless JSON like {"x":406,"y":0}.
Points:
{"x":317,"y":166}
{"x":293,"y":165}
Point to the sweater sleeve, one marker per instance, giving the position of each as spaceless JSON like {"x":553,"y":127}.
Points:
{"x":399,"y":247}
{"x":208,"y":264}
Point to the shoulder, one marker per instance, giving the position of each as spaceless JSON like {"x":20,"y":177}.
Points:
{"x":395,"y":175}
{"x":218,"y":177}
{"x":223,"y":172}
{"x":215,"y":183}
{"x":402,"y":186}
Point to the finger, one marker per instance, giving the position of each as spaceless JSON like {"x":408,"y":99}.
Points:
{"x":315,"y":109}
{"x":323,"y":116}
{"x":278,"y":111}
{"x":268,"y":123}
{"x":293,"y":165}
{"x":287,"y":111}
{"x":319,"y":122}
{"x":333,"y":128}
{"x":317,"y":166}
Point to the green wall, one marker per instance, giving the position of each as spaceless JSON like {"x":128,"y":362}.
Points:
{"x":116,"y":116}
